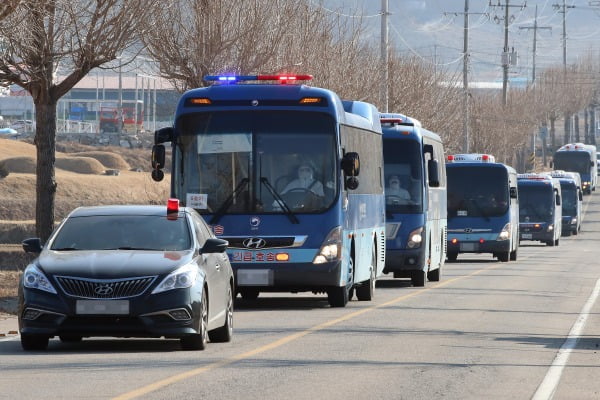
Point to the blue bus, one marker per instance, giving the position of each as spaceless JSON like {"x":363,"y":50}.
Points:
{"x":572,"y":201}
{"x":415,"y":192}
{"x":290,"y":175}
{"x":483,"y":207}
{"x":581,"y":158}
{"x":540,"y":210}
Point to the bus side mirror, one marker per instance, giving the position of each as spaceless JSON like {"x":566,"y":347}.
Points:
{"x":550,"y":163}
{"x":513,"y":192}
{"x":557,"y":199}
{"x":432,"y":173}
{"x":580,"y":195}
{"x":592,"y":163}
{"x":158,"y":162}
{"x":351,"y":164}
{"x":164,"y":135}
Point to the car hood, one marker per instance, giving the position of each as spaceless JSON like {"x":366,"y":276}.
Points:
{"x":112,"y":263}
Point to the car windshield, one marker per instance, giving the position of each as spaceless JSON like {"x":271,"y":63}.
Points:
{"x":123,"y":232}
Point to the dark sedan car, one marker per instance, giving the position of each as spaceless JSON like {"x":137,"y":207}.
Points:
{"x":128,"y":271}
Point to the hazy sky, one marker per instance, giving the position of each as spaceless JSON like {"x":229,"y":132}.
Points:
{"x":430,"y":29}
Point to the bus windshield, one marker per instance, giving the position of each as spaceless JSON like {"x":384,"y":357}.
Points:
{"x":403,"y":176}
{"x":477,"y":192}
{"x":576,"y":161}
{"x":240,"y":162}
{"x":569,"y":198}
{"x":536,"y":203}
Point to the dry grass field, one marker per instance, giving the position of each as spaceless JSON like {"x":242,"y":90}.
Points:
{"x":82,"y":181}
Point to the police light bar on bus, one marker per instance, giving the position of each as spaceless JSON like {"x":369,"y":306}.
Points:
{"x":534,"y":176}
{"x":482,"y":158}
{"x":573,"y":147}
{"x":283,"y":78}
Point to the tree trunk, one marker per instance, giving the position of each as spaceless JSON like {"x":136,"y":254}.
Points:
{"x":45,"y":143}
{"x":592,"y":125}
{"x":567,"y":126}
{"x":552,"y":133}
{"x":576,"y":127}
{"x":586,"y":126}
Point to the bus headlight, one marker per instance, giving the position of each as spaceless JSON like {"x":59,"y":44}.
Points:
{"x":331,"y":249}
{"x":573,"y":220}
{"x":504,"y":233}
{"x":415,"y":238}
{"x":550,"y":228}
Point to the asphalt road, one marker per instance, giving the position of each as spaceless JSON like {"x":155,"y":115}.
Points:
{"x":488,"y":330}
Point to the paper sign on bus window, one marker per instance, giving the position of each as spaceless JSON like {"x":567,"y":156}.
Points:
{"x":461,"y":213}
{"x":225,"y":143}
{"x":197,"y":200}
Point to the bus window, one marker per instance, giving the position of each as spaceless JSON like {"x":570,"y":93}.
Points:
{"x":403,"y":160}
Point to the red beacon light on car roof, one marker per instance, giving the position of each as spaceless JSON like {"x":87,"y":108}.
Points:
{"x":283,"y":78}
{"x":172,"y":208}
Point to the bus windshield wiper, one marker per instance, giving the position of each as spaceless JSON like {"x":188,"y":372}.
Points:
{"x":280,"y":201}
{"x":228,"y":201}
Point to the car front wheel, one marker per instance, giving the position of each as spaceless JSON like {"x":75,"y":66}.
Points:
{"x":224,"y":333}
{"x":34,"y":342}
{"x":198,"y":341}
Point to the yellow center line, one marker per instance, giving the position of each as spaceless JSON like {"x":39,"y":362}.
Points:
{"x":290,"y":338}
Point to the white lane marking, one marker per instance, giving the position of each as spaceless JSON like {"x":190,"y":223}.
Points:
{"x":548,"y":386}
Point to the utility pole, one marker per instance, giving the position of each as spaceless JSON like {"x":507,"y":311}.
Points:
{"x":505,"y":55}
{"x":535,"y":27}
{"x":564,"y":7}
{"x":384,"y":54}
{"x":466,"y":14}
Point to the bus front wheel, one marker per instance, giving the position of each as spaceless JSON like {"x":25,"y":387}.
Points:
{"x":504,"y":256}
{"x":338,"y":296}
{"x":418,"y":278}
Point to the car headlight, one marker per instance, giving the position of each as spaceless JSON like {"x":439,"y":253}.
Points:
{"x":35,"y":279}
{"x":181,"y":278}
{"x":331,"y":249}
{"x":504,"y":233}
{"x":415,"y":238}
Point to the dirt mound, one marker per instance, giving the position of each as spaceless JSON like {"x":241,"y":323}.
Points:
{"x":81,"y":165}
{"x":106,"y":158}
{"x":19,"y":165}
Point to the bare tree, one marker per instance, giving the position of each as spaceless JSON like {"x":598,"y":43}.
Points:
{"x":7,"y":7}
{"x":47,"y":38}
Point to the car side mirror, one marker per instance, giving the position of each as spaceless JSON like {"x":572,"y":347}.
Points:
{"x":32,"y":245}
{"x":432,"y":173}
{"x":214,"y":245}
{"x":513,"y":192}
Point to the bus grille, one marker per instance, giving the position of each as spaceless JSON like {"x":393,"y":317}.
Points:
{"x":104,"y":288}
{"x":269,"y":242}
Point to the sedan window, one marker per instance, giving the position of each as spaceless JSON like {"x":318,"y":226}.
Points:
{"x":130,"y":232}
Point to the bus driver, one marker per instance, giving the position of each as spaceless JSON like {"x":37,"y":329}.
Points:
{"x":306,"y":181}
{"x":395,"y":190}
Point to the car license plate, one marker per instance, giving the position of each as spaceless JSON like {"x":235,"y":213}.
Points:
{"x":105,"y":307}
{"x":468,"y":246}
{"x":526,"y":236}
{"x":253,"y":277}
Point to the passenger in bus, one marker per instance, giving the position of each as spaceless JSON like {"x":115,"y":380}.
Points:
{"x":394,"y":191}
{"x":305,"y":180}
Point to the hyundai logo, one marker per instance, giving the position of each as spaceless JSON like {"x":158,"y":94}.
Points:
{"x":103,"y":290}
{"x":254,"y":243}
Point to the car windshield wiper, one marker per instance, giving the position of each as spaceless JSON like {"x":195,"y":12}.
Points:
{"x":280,"y":201}
{"x":228,"y":201}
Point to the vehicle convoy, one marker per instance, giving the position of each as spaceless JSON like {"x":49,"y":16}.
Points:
{"x":572,"y":201}
{"x":290,"y":175}
{"x":540,"y":210}
{"x":416,"y":209}
{"x":581,"y":158}
{"x":128,"y":271}
{"x":483,"y":207}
